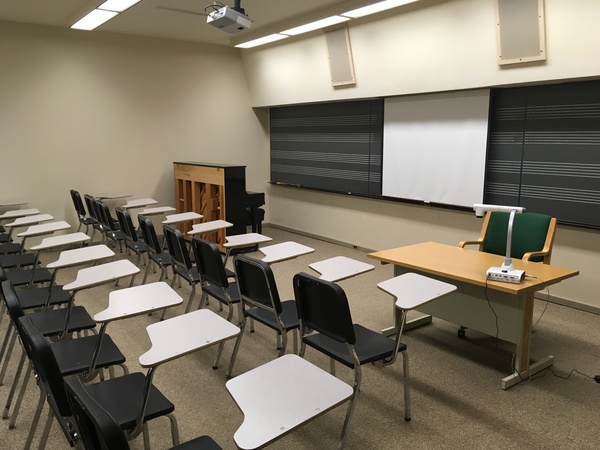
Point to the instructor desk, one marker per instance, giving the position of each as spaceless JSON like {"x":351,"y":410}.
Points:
{"x":468,"y":306}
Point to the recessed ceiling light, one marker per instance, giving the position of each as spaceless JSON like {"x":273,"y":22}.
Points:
{"x":376,"y":7}
{"x":328,"y":21}
{"x":262,"y":41}
{"x":117,"y":5}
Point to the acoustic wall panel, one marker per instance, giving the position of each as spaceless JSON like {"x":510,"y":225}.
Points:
{"x":341,"y":64}
{"x":520,"y":31}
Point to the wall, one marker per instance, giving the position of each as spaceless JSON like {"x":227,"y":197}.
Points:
{"x":106,"y":114}
{"x":432,"y":46}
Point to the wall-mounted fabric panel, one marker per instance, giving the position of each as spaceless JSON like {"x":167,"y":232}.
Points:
{"x":332,"y":146}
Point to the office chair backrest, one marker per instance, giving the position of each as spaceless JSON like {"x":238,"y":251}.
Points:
{"x":209,"y":262}
{"x":529,"y":234}
{"x":105,"y":216}
{"x":323,"y":307}
{"x":97,"y":428}
{"x":149,"y":234}
{"x":177,"y":247}
{"x":256,"y":283}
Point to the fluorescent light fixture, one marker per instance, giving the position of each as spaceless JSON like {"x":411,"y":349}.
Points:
{"x":93,"y":20}
{"x":376,"y":7}
{"x":262,"y":40}
{"x":117,"y":5}
{"x":328,"y":21}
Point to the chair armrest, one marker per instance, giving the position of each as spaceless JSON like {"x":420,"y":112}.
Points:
{"x":545,"y":252}
{"x":462,"y":244}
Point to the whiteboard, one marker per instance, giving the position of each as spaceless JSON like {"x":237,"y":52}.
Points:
{"x":434,"y":147}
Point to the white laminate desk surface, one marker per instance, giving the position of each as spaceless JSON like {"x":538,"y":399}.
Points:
{"x":15,"y":214}
{"x":102,"y":273}
{"x":138,"y":300}
{"x":184,"y":334}
{"x":82,"y":255}
{"x":182,"y":217}
{"x":44,"y":228}
{"x":339,"y":268}
{"x":156,"y":210}
{"x":112,"y":197}
{"x":63,"y":239}
{"x":209,"y":227}
{"x":243,"y":240}
{"x":139,"y":203}
{"x":7,"y":204}
{"x":283,"y":251}
{"x":281,"y":395}
{"x":412,"y":290}
{"x":29,"y":220}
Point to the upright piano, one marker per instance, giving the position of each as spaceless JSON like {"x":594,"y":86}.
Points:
{"x":217,"y":191}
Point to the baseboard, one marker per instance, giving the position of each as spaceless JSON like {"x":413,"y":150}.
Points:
{"x":320,"y":238}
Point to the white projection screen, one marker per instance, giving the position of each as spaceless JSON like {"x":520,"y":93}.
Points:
{"x":434,"y":147}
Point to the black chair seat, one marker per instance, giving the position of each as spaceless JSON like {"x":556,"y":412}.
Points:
{"x":52,"y":322}
{"x":23,"y":277}
{"x":217,"y":293}
{"x":35,"y":297}
{"x":10,"y":247}
{"x":185,"y":273}
{"x":162,"y":259}
{"x":75,"y":355}
{"x":12,"y":261}
{"x":370,"y":346}
{"x":289,"y":316}
{"x":4,"y":238}
{"x":122,"y":397}
{"x":200,"y":443}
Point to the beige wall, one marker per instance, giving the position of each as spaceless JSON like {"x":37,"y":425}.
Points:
{"x":443,"y":46}
{"x":105,"y":114}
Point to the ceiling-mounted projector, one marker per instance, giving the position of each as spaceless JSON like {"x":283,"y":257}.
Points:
{"x":229,"y":20}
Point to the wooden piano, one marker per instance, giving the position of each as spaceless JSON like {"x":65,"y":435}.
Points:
{"x":217,"y":191}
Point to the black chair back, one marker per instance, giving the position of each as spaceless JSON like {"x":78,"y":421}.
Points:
{"x":11,"y":301}
{"x":256,"y":283}
{"x":97,"y":428}
{"x":149,"y":234}
{"x":126,"y":224}
{"x":209,"y":262}
{"x":92,"y":207}
{"x":177,"y":247}
{"x":48,"y":373}
{"x":78,"y":203}
{"x":106,"y":217}
{"x":323,"y":307}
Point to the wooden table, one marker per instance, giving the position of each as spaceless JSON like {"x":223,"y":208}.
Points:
{"x":468,"y":306}
{"x":281,"y":395}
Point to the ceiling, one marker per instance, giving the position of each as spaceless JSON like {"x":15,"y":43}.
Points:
{"x":179,"y":19}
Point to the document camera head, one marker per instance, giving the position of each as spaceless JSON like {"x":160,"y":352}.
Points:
{"x":480,"y":209}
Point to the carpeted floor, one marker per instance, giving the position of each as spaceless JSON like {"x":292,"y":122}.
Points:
{"x":456,"y":397}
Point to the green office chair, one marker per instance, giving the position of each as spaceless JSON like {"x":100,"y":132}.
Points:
{"x":532,"y":236}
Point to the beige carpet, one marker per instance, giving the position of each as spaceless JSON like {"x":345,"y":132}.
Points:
{"x":456,"y":397}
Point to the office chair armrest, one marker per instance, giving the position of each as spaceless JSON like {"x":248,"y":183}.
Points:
{"x":462,"y":244}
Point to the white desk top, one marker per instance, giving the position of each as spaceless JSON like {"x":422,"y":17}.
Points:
{"x":283,"y":251}
{"x":281,"y":395}
{"x":243,"y":240}
{"x":29,"y":220}
{"x":5,"y":204}
{"x":139,"y":203}
{"x":103,"y":273}
{"x":81,"y":255}
{"x":44,"y":228}
{"x":209,"y":227}
{"x":339,"y":268}
{"x":137,"y":300}
{"x":181,"y":217}
{"x":156,"y":210}
{"x":63,"y":239}
{"x":412,"y":290}
{"x":112,"y":197}
{"x":16,"y":213}
{"x":184,"y":334}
